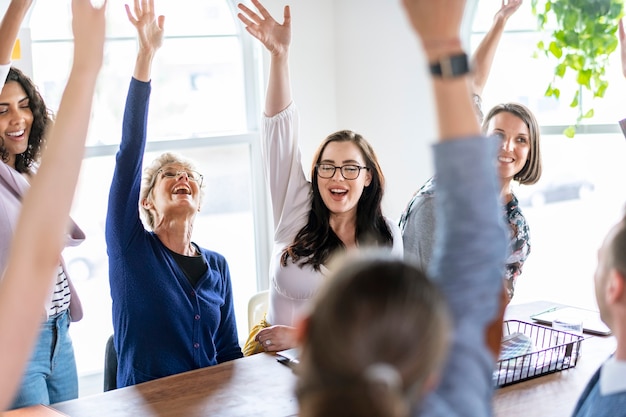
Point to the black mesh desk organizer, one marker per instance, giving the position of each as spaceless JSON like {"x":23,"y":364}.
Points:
{"x":546,"y":351}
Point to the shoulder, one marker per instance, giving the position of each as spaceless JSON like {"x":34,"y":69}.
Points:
{"x":214,"y":259}
{"x":514,"y":213}
{"x":210,"y":254}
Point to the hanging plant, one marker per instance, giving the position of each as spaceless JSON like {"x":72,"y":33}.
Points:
{"x":581,"y":40}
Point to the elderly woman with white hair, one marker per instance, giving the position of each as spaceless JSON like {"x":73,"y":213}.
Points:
{"x":172,"y":300}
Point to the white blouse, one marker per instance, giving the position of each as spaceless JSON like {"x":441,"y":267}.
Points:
{"x":292,"y":287}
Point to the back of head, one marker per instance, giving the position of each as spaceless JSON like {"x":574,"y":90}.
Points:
{"x":617,"y":251}
{"x":377,"y":334}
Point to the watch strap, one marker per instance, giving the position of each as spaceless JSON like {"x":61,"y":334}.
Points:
{"x":451,"y":66}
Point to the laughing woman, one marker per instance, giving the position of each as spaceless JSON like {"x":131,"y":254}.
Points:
{"x":41,"y":227}
{"x":338,"y":210}
{"x":172,"y":300}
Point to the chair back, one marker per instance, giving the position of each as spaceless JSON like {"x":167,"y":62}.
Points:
{"x":110,"y":366}
{"x":257,"y":306}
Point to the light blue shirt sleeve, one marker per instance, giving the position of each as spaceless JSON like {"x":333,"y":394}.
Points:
{"x":468,"y":266}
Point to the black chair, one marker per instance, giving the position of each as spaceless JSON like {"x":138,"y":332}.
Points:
{"x":110,"y":366}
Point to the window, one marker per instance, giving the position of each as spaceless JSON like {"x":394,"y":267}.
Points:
{"x":575,"y":203}
{"x":203,"y":106}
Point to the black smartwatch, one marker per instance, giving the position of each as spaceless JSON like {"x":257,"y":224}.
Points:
{"x":450,"y":66}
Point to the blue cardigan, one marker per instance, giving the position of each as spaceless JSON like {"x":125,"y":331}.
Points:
{"x":162,"y":324}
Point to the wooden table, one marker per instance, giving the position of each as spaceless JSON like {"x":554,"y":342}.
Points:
{"x":253,"y":386}
{"x":260,"y":386}
{"x":556,"y":394}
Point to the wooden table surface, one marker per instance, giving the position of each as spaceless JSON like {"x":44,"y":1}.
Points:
{"x":260,"y":386}
{"x":253,"y":386}
{"x":553,"y":395}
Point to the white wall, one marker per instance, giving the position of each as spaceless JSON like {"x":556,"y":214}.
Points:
{"x":356,"y":65}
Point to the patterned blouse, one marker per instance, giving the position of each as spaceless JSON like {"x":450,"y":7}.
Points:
{"x":519,"y":243}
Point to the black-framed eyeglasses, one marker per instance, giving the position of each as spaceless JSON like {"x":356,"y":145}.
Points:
{"x":349,"y":172}
{"x":174,"y":173}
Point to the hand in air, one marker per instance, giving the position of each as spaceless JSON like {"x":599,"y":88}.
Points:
{"x":274,"y":36}
{"x":149,"y":28}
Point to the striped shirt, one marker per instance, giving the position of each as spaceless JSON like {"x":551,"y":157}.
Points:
{"x":61,"y":295}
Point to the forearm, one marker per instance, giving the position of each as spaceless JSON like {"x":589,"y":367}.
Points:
{"x":10,"y":27}
{"x":278,"y":94}
{"x":26,"y":284}
{"x":484,"y":55}
{"x":456,"y":117}
{"x":143,"y":65}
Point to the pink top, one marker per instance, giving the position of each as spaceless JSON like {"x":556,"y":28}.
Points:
{"x":13,"y":186}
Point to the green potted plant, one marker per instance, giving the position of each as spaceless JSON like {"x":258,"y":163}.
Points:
{"x":582,"y":36}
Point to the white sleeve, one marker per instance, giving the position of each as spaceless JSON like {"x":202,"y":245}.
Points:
{"x":289,"y":188}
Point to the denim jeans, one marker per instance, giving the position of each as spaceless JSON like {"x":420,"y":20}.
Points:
{"x":50,"y":375}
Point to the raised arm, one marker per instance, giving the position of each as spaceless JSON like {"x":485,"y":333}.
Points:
{"x":149,"y":35}
{"x":123,"y":216}
{"x":437,"y":24}
{"x":622,"y":45}
{"x":486,"y":51}
{"x":276,"y":38}
{"x":10,"y":26}
{"x":40,"y":232}
{"x":471,"y":243}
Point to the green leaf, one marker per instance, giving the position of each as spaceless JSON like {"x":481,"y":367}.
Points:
{"x":574,"y":102}
{"x":549,"y":91}
{"x":589,"y":114}
{"x":584,"y":78}
{"x":582,"y":38}
{"x":602,"y":87}
{"x":556,"y":50}
{"x":570,"y":132}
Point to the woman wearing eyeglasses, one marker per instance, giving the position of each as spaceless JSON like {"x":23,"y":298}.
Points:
{"x":339,"y":210}
{"x":172,"y":300}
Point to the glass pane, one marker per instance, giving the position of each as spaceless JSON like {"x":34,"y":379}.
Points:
{"x":52,"y":19}
{"x":523,"y":18}
{"x":517,"y":76}
{"x":531,"y":77}
{"x":225,"y":225}
{"x":110,"y":95}
{"x":609,"y":109}
{"x":569,"y":212}
{"x":198,"y":88}
{"x":194,"y":94}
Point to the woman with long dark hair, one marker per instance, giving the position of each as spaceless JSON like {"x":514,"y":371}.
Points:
{"x":337,"y":211}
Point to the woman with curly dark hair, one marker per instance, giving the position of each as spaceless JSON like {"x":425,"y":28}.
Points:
{"x":16,"y":152}
{"x":25,"y":122}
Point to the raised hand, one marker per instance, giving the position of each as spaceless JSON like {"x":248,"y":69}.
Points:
{"x":437,"y":23}
{"x":274,"y":36}
{"x":149,"y":28}
{"x":88,"y":27}
{"x":507,"y":9}
{"x":10,"y":26}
